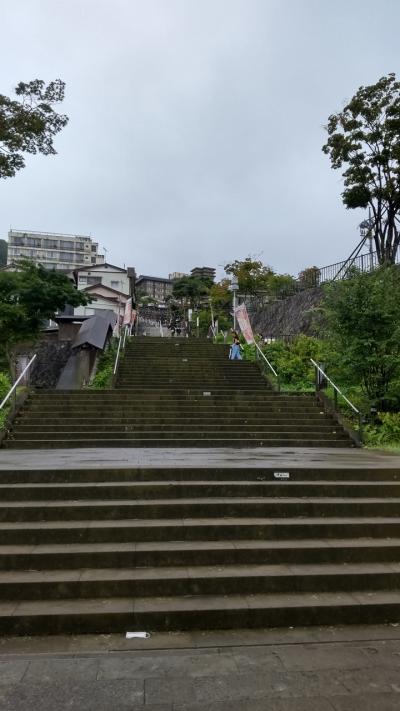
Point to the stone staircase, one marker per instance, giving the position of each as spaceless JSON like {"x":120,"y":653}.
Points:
{"x":176,"y":393}
{"x":115,"y":550}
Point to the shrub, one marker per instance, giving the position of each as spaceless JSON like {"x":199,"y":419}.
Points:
{"x":387,"y":432}
{"x":5,"y":385}
{"x":105,"y":367}
{"x":292,"y":360}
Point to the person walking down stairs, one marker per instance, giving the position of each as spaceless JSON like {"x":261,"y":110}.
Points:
{"x":235,"y":350}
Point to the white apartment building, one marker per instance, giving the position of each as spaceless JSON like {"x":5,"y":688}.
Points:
{"x":53,"y":250}
{"x":105,"y":274}
{"x":108,"y":286}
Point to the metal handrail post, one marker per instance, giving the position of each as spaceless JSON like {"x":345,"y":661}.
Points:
{"x":117,"y":356}
{"x":361,"y":427}
{"x":337,"y":392}
{"x":353,"y":407}
{"x":14,"y":387}
{"x":258,"y":350}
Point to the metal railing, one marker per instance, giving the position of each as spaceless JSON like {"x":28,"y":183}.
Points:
{"x":14,"y":387}
{"x":336,"y":392}
{"x":259,"y":353}
{"x":317,"y":276}
{"x":121,"y":345}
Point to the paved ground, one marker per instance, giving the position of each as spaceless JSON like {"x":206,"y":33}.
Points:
{"x":200,"y":457}
{"x":314,"y":669}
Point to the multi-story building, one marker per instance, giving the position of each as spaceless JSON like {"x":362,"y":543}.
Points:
{"x":203,"y":273}
{"x":177,"y":275}
{"x":53,"y":250}
{"x":157,"y":287}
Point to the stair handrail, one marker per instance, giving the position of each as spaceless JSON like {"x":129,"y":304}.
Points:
{"x":271,"y":367}
{"x":13,"y":387}
{"x":120,"y":342}
{"x":337,"y":391}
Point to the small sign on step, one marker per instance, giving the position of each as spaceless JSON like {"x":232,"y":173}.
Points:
{"x":281,"y":475}
{"x":206,"y":393}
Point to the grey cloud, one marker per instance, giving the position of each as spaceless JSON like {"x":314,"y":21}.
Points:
{"x":195,"y":127}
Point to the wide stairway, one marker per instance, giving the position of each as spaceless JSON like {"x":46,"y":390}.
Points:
{"x":176,"y":393}
{"x":100,"y":550}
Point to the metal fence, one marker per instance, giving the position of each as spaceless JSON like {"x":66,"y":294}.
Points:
{"x":314,"y":277}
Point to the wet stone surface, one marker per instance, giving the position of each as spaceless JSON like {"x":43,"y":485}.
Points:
{"x":320,"y":669}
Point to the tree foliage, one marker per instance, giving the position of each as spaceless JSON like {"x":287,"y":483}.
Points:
{"x":252,"y":274}
{"x":29,"y":296}
{"x":191,"y":289}
{"x":363,"y":324}
{"x":254,"y":277}
{"x":364,"y":138}
{"x":3,"y":252}
{"x":29,"y":123}
{"x":220,"y":295}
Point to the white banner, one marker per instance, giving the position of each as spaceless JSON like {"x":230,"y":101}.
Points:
{"x":243,"y":320}
{"x":128,"y":312}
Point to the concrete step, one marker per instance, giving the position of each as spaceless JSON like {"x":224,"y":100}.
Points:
{"x":211,"y":553}
{"x":248,"y":579}
{"x":197,"y":612}
{"x":239,"y":425}
{"x":143,"y":418}
{"x":154,"y":441}
{"x":170,"y":489}
{"x":199,"y":507}
{"x":359,"y":476}
{"x":197,"y":529}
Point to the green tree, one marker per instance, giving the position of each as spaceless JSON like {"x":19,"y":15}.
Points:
{"x":252,"y":274}
{"x":310,"y":277}
{"x":363,"y":325}
{"x":254,"y":277}
{"x":29,"y":296}
{"x":190,"y":290}
{"x":364,"y":138}
{"x":220,"y":295}
{"x":28,"y":124}
{"x":3,"y":252}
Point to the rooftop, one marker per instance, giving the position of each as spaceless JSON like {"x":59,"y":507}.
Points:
{"x":142,"y":277}
{"x":50,"y":234}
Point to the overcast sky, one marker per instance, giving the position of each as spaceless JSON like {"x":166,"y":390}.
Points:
{"x":195,"y":126}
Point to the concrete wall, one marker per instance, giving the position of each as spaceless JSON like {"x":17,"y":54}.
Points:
{"x":292,"y":316}
{"x":50,"y":361}
{"x":77,"y":370}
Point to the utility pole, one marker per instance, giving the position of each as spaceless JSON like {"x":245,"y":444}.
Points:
{"x":234,"y":287}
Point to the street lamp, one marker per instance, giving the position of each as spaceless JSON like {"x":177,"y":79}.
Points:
{"x":234,"y":288}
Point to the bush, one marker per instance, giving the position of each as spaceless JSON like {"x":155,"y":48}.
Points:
{"x":105,"y":367}
{"x":5,"y":385}
{"x":292,"y":360}
{"x":387,"y":432}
